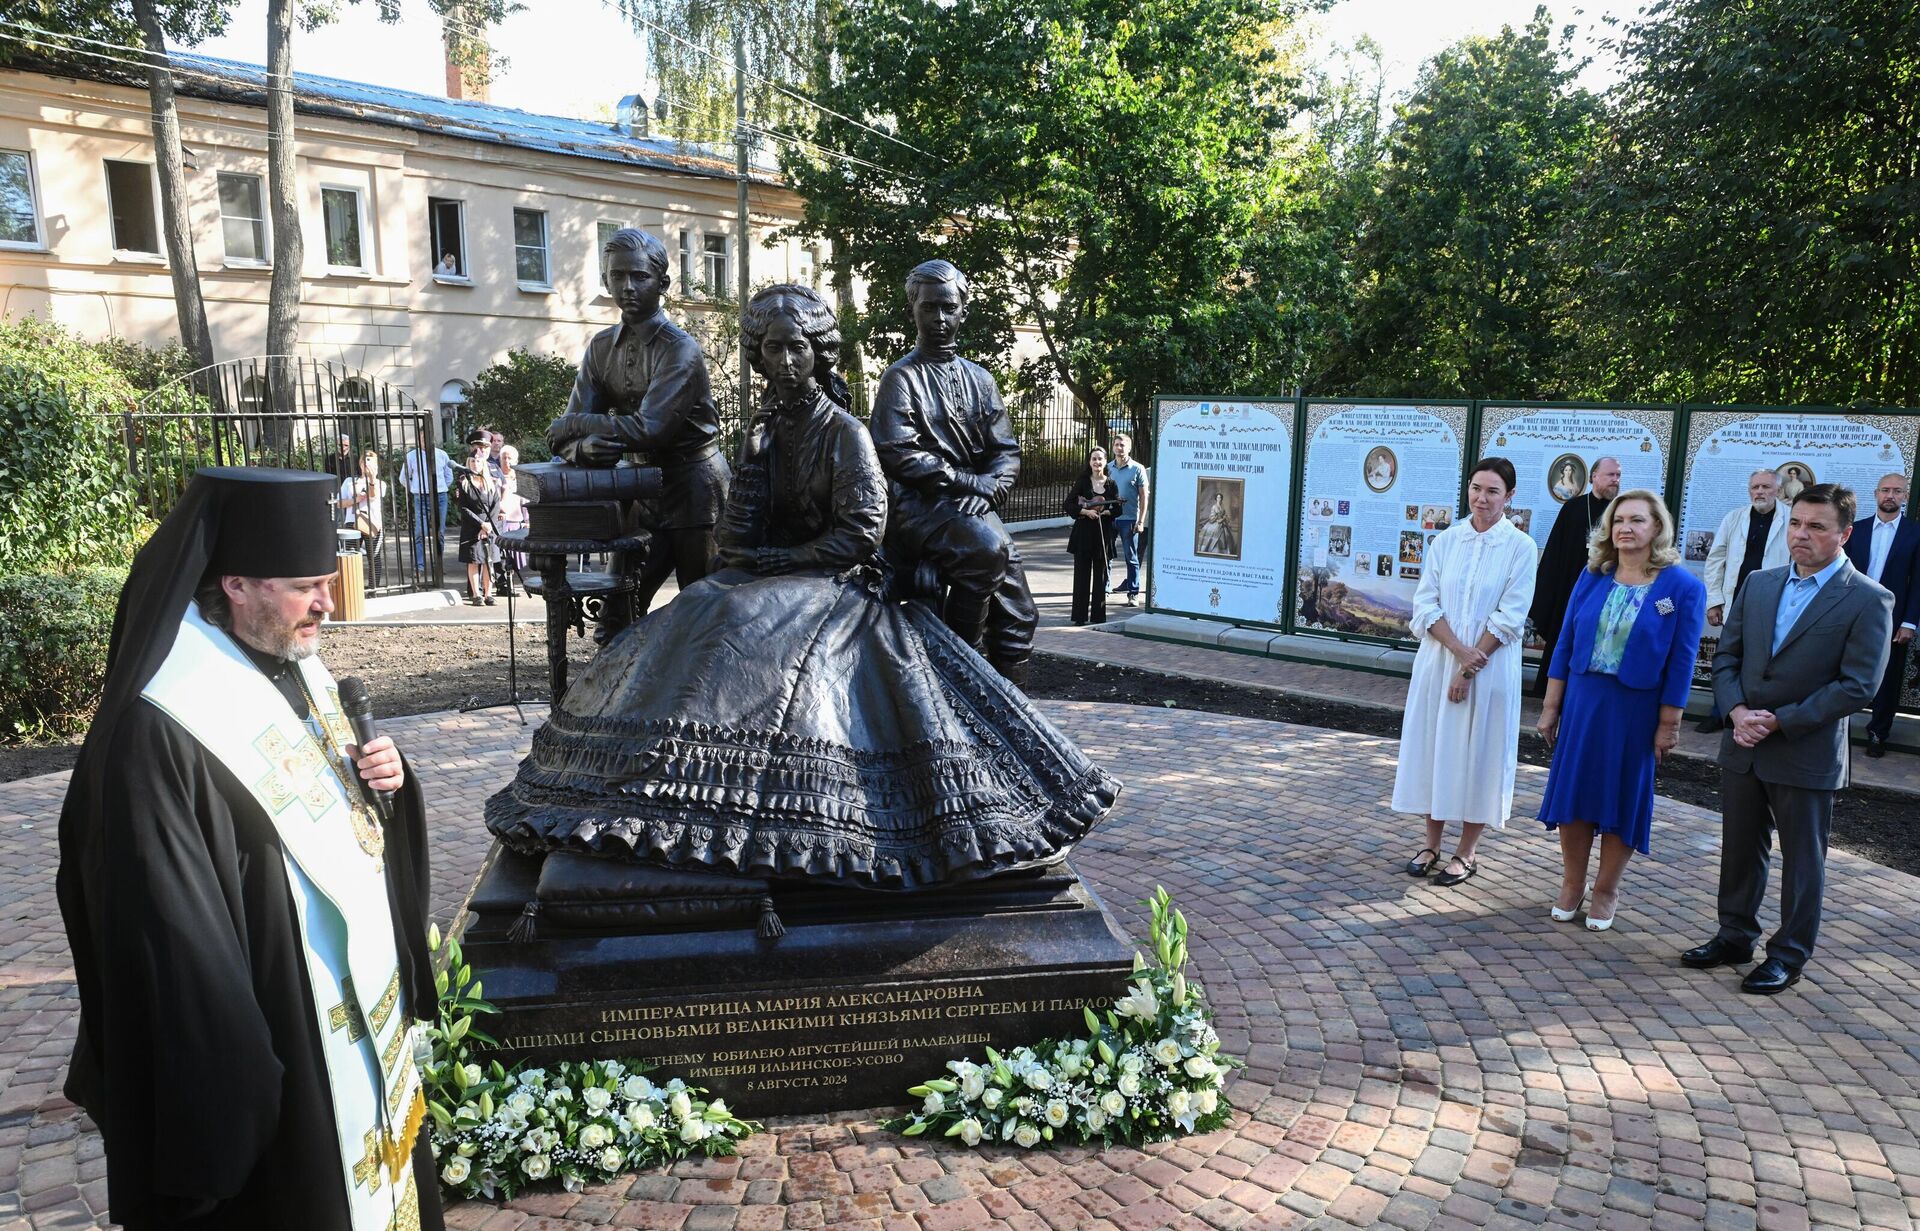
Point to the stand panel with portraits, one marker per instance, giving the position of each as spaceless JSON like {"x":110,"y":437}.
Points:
{"x":1221,"y":511}
{"x":1381,"y":479}
{"x":1553,"y":449}
{"x":1725,"y":445}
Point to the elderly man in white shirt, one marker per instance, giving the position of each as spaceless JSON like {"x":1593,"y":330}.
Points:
{"x":1751,"y":537}
{"x":1886,"y":547}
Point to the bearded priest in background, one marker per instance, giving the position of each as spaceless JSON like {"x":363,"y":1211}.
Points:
{"x":247,"y":931}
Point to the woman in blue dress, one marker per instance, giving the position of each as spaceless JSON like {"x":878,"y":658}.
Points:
{"x":1615,"y":692}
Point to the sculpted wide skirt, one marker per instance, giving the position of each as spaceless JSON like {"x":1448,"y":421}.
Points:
{"x":800,"y":726}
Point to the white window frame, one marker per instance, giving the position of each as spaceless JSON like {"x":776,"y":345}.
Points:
{"x":600,"y":253}
{"x":715,"y":288}
{"x":689,"y":285}
{"x":39,"y":241}
{"x":361,"y":219}
{"x":466,"y":253}
{"x":158,"y":256}
{"x":546,"y":249}
{"x":264,"y":261}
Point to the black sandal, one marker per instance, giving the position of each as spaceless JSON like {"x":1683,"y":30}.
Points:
{"x":1454,"y":878}
{"x":1420,"y":867}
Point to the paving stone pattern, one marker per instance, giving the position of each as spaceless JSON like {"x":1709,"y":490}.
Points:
{"x":1416,"y":1057}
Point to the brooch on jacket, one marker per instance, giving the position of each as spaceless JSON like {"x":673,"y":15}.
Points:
{"x":1664,"y":606}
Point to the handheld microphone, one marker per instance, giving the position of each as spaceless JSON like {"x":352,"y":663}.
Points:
{"x":357,"y":705}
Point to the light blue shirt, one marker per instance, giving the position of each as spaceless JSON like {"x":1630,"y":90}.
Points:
{"x":1129,"y":478}
{"x":1797,"y":593}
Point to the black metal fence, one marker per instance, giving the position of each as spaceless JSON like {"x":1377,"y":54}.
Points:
{"x":1056,"y":432}
{"x":294,"y":414}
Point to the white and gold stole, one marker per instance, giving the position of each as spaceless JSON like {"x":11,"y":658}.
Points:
{"x":334,"y":853}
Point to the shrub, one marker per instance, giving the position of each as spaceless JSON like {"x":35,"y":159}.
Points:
{"x":518,"y":398}
{"x":54,"y":631}
{"x":65,"y":498}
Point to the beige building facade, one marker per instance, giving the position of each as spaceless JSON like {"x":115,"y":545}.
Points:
{"x":439,"y":234}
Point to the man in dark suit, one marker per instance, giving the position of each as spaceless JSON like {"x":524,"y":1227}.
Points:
{"x":1802,"y":648}
{"x":1886,"y":547}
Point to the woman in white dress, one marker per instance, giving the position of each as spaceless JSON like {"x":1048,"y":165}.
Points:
{"x":1460,"y":737}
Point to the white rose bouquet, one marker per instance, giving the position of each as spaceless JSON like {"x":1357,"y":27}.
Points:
{"x":498,"y":1131}
{"x":1150,"y":1068}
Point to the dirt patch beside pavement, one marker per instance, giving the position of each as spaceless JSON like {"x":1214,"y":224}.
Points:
{"x":422,"y":669}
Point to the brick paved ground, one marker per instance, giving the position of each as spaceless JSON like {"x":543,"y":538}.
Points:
{"x":1417,"y":1057}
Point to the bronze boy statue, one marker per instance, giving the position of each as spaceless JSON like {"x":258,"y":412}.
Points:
{"x":951,"y":457}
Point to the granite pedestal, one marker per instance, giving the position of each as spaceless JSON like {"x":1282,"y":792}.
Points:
{"x":864,"y":995}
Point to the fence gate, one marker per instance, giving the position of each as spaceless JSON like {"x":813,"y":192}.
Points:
{"x":293,"y":413}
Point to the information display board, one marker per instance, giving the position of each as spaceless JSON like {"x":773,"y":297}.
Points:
{"x":1380,"y":481}
{"x":1553,"y":449}
{"x":1221,"y":509}
{"x":1725,"y":447}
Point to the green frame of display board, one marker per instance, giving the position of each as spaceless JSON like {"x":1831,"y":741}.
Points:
{"x":1469,"y":426}
{"x":1293,"y":538}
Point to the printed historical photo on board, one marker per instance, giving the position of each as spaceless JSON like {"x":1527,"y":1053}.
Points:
{"x":1381,"y":468}
{"x":1219,"y":506}
{"x":1567,"y":477}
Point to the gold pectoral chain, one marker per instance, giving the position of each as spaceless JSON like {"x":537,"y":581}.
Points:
{"x":366,"y":826}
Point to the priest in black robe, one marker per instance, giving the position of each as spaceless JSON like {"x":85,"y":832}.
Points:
{"x":1565,"y":556}
{"x":200,"y":1045}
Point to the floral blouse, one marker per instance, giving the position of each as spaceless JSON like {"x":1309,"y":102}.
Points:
{"x":1616,"y":621}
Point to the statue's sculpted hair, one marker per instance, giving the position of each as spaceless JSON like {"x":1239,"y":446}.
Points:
{"x":815,"y":318}
{"x":936,"y":273}
{"x":633,"y":239}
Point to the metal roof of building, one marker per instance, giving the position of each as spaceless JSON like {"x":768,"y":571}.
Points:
{"x":466,"y":119}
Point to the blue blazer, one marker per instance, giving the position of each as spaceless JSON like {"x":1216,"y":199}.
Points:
{"x":1662,"y":646}
{"x":1902,"y":573}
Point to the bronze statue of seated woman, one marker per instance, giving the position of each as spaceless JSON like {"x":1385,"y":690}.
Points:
{"x":783,"y":718}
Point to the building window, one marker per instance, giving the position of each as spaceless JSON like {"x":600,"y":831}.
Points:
{"x":530,"y":249}
{"x":19,"y":210}
{"x":605,"y":232}
{"x":340,"y":215}
{"x":353,"y":396}
{"x":687,"y":285}
{"x":130,"y":202}
{"x":447,"y":229}
{"x":243,"y":218}
{"x":253,"y":395}
{"x":713,"y":268}
{"x":453,"y":400}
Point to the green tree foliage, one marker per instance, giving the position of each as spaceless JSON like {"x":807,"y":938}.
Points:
{"x":1755,"y":222}
{"x":518,"y":398}
{"x":65,"y":498}
{"x":1105,"y":170}
{"x":690,"y":46}
{"x":1463,"y":281}
{"x":54,"y":634}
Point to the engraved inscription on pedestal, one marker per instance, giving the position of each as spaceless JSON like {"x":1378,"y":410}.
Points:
{"x":784,"y":1052}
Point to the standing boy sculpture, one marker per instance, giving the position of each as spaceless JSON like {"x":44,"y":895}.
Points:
{"x":643,"y":389}
{"x":951,"y":457}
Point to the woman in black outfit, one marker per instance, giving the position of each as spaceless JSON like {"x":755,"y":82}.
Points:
{"x":1093,"y":504}
{"x":477,"y":497}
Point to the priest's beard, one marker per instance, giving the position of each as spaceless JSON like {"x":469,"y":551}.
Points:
{"x":271,"y":636}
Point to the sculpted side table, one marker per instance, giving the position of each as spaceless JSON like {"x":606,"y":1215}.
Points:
{"x":574,"y":511}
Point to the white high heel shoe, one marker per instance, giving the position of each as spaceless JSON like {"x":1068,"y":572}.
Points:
{"x":1568,"y":916}
{"x":1601,"y":925}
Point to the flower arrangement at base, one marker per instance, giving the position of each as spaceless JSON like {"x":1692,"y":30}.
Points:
{"x":1149,"y":1069}
{"x":498,"y":1131}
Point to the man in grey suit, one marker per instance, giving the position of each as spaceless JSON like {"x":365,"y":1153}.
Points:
{"x":1801,"y":649}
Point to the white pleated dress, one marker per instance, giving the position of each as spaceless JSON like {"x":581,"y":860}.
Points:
{"x":1457,"y":758}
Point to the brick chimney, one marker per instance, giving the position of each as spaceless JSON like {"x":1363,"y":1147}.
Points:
{"x":464,"y":80}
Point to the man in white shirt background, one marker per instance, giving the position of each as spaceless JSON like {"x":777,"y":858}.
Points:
{"x":1751,"y":537}
{"x":427,"y":475}
{"x":1886,"y":547}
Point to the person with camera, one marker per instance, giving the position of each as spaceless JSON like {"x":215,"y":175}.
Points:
{"x":1093,"y":504}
